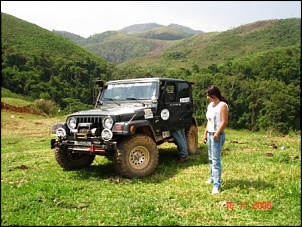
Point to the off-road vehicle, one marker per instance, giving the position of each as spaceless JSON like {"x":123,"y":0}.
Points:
{"x":130,"y":119}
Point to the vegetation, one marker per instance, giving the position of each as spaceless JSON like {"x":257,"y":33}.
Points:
{"x":14,"y":99}
{"x":126,"y":47}
{"x":261,"y":183}
{"x":263,"y":90}
{"x":40,"y":64}
{"x":257,"y":66}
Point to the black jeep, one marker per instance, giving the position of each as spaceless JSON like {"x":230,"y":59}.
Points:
{"x":130,"y":119}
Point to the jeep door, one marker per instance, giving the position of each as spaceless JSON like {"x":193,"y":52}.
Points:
{"x":177,"y":107}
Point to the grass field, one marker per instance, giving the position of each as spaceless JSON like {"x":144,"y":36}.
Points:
{"x":261,"y":183}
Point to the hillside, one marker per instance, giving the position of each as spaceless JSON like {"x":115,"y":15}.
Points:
{"x":154,"y":45}
{"x":131,"y":42}
{"x":257,"y":67}
{"x":19,"y":34}
{"x":215,"y":48}
{"x":40,"y":64}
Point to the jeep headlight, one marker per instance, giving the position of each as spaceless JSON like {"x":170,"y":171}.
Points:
{"x":71,"y":123}
{"x":108,"y":122}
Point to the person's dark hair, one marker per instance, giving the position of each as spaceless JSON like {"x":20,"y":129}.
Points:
{"x":215,"y":91}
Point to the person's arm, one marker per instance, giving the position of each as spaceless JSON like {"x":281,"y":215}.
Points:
{"x":224,"y":114}
{"x":205,"y":134}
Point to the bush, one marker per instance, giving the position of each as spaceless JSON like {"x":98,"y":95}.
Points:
{"x":47,"y":107}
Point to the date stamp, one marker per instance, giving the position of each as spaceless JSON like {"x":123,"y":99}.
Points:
{"x":265,"y":205}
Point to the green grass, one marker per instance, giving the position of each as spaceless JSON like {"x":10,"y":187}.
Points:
{"x":16,"y":102}
{"x":36,"y":191}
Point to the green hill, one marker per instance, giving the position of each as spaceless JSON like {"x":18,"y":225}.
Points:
{"x":134,"y":41}
{"x":40,"y":64}
{"x":205,"y":49}
{"x":156,"y":46}
{"x":32,"y":39}
{"x":257,"y":67}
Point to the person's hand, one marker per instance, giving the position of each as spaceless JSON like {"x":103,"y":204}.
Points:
{"x":215,"y":137}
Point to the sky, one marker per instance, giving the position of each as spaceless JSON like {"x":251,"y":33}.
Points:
{"x":86,"y":18}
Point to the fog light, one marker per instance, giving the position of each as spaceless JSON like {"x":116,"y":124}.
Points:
{"x":60,"y":132}
{"x":107,"y":134}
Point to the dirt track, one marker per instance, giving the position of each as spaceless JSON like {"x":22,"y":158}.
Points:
{"x":23,"y":109}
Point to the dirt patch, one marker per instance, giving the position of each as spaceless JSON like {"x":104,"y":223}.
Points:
{"x":22,"y":109}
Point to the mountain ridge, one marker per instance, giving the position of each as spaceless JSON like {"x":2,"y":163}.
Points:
{"x":152,"y":42}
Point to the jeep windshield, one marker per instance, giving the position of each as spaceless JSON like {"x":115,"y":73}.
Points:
{"x":130,"y":91}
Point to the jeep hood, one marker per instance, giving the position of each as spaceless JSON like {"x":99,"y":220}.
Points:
{"x":111,"y":110}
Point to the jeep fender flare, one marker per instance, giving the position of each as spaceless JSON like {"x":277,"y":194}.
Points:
{"x":136,"y":126}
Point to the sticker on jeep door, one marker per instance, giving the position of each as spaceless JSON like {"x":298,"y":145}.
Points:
{"x":165,"y":114}
{"x":184,"y":99}
{"x":148,"y":113}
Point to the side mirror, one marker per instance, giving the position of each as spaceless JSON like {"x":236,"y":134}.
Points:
{"x":100,"y":83}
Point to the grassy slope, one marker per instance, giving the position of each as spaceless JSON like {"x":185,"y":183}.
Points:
{"x":31,"y":39}
{"x":218,"y":47}
{"x":13,"y":99}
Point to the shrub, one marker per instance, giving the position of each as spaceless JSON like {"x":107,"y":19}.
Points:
{"x":47,"y":107}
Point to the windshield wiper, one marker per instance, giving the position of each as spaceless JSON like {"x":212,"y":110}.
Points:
{"x":114,"y":100}
{"x":131,"y":98}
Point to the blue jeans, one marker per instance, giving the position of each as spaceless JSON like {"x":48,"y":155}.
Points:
{"x":181,"y":141}
{"x":214,"y":151}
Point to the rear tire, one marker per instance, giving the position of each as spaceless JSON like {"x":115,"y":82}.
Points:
{"x":192,"y":139}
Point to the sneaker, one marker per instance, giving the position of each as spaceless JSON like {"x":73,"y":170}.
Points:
{"x":209,"y":181}
{"x":215,"y":191}
{"x":183,"y":159}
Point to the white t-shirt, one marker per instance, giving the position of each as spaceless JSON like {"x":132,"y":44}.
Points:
{"x":213,"y":116}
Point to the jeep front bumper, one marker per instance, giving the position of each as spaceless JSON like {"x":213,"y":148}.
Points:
{"x":86,"y":146}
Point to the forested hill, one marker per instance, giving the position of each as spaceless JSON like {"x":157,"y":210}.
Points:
{"x":257,"y":66}
{"x":40,"y":64}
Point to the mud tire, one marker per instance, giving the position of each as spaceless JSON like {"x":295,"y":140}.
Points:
{"x":136,"y":157}
{"x":70,"y":161}
{"x":192,"y":139}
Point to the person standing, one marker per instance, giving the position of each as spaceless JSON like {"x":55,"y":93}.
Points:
{"x":181,"y":143}
{"x":214,"y":134}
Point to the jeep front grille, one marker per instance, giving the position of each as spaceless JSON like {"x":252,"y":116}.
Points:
{"x":97,"y":120}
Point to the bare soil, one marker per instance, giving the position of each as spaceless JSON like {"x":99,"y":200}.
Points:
{"x":22,"y":109}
